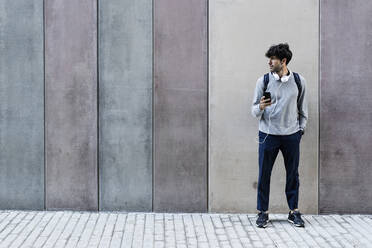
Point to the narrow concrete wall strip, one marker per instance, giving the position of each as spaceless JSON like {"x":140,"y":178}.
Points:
{"x":71,"y":104}
{"x":21,"y":105}
{"x":180,"y":105}
{"x":345,"y":113}
{"x":125,"y":105}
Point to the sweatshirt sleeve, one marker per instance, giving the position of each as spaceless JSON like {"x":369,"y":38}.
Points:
{"x":258,"y":93}
{"x":302,"y":103}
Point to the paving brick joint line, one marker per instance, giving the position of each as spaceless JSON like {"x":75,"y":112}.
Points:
{"x":75,"y":229}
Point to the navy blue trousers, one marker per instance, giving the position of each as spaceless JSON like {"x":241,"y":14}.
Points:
{"x":289,"y":145}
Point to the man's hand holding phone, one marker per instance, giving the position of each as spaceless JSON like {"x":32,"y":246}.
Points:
{"x":264,"y":102}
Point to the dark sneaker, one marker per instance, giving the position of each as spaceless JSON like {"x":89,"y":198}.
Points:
{"x":262,"y":220}
{"x":295,"y":219}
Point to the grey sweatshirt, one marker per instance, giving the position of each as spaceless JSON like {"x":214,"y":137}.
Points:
{"x":285,"y":119}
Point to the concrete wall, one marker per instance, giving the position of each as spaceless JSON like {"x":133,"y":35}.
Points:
{"x":101,"y":112}
{"x":125,"y":105}
{"x":180,"y":105}
{"x":345,"y":110}
{"x":71,"y":104}
{"x":240,"y":32}
{"x":21,"y":105}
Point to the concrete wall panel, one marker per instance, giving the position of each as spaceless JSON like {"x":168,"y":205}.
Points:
{"x":346,"y":103}
{"x":21,"y":105}
{"x":240,"y":32}
{"x":125,"y":105}
{"x":71,"y":104}
{"x":180,"y":105}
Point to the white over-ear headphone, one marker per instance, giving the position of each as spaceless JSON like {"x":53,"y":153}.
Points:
{"x":283,"y":78}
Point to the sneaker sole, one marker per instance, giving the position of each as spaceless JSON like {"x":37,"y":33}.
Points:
{"x":298,"y":225}
{"x":265,"y":225}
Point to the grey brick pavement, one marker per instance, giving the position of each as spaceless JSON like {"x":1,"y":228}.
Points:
{"x":121,"y":229}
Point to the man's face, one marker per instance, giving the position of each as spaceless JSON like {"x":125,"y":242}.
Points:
{"x":274,"y":63}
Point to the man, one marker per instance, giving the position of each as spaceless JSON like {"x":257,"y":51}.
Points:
{"x":282,"y":122}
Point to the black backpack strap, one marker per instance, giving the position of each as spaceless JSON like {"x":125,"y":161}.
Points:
{"x":298,"y":82}
{"x":266,"y":81}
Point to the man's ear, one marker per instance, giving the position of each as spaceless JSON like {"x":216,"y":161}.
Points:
{"x":284,"y":61}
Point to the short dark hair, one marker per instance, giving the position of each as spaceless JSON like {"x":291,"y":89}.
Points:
{"x":280,"y":51}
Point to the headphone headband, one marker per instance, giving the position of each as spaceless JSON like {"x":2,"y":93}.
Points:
{"x":283,"y":78}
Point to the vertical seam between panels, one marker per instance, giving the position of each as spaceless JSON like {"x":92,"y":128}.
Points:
{"x":97,"y":68}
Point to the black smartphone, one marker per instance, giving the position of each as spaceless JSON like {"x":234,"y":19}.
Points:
{"x":267,"y":95}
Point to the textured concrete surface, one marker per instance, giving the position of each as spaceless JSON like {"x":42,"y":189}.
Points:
{"x":71,"y":104}
{"x":240,"y":32}
{"x":21,"y":105}
{"x":123,"y":229}
{"x":125,"y":105}
{"x":346,"y":103}
{"x":180,"y":105}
